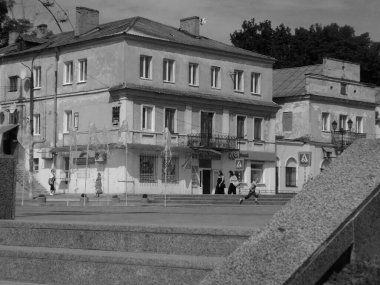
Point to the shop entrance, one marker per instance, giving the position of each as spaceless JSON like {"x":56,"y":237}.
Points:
{"x":206,"y":181}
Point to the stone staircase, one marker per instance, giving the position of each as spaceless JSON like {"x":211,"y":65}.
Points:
{"x":73,"y":253}
{"x":22,"y":184}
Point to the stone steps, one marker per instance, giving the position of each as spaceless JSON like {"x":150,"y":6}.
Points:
{"x":74,"y":200}
{"x":76,"y":266}
{"x":93,"y":253}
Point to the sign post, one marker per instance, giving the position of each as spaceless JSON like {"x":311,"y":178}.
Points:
{"x":304,"y":159}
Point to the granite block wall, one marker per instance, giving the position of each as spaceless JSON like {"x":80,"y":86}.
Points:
{"x":335,"y":212}
{"x":7,"y":187}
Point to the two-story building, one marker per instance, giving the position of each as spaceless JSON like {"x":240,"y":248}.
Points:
{"x":324,"y":108}
{"x":104,"y":95}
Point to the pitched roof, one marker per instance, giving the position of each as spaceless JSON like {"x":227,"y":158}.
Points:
{"x":291,"y":81}
{"x":143,"y":27}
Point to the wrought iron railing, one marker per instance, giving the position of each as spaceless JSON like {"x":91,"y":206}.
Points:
{"x":342,"y":139}
{"x":213,"y":141}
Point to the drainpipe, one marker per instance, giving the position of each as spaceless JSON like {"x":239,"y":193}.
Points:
{"x":55,"y":126}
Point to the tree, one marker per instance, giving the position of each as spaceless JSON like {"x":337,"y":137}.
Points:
{"x":310,"y":46}
{"x":8,"y":24}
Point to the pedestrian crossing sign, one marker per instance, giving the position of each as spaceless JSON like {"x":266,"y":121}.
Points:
{"x":239,"y":164}
{"x":304,"y":158}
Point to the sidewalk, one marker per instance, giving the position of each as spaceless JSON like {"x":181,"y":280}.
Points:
{"x":214,"y":216}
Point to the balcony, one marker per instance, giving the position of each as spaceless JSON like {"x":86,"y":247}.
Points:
{"x":343,"y":139}
{"x":212,"y":141}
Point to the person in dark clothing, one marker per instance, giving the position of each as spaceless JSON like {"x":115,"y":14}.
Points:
{"x":220,"y":184}
{"x":51,"y":182}
{"x":252,"y":192}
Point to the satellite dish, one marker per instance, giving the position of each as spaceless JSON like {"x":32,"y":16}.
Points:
{"x":203,"y":21}
{"x":27,"y":85}
{"x":23,"y":74}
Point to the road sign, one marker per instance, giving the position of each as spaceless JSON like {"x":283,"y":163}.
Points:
{"x":304,"y":158}
{"x":239,"y":164}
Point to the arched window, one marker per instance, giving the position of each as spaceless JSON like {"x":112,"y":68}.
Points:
{"x":291,"y":173}
{"x":325,"y":164}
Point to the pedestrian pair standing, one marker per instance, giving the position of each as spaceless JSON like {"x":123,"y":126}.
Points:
{"x":234,"y":182}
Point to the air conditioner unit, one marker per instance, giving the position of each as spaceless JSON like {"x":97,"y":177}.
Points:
{"x":46,"y":154}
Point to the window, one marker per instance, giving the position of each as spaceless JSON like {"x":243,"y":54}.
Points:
{"x":169,"y":70}
{"x":67,"y":121}
{"x":238,"y":81}
{"x":146,"y":67}
{"x":258,"y":128}
{"x":359,"y":125}
{"x":82,"y":75}
{"x":115,"y":116}
{"x":147,"y":118}
{"x":36,"y":124}
{"x":13,"y":83}
{"x":170,"y":119}
{"x":36,"y":164}
{"x":343,"y":88}
{"x":37,"y":77}
{"x":342,"y":122}
{"x":148,"y":169}
{"x":240,"y":128}
{"x":215,"y":77}
{"x":193,"y":74}
{"x":291,"y":173}
{"x":172,"y":170}
{"x":287,"y":121}
{"x":257,"y":172}
{"x":68,"y":73}
{"x":325,"y":122}
{"x":255,"y":83}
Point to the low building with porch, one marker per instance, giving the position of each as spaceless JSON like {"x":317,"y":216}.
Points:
{"x":324,"y":108}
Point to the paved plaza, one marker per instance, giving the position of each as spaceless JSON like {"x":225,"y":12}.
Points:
{"x":230,"y":216}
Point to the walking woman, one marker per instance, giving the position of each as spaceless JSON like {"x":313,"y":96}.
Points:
{"x":51,"y":181}
{"x":220,"y":184}
{"x":98,"y":185}
{"x":234,"y":182}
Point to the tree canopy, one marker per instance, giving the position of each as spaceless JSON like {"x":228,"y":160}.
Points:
{"x":310,"y":46}
{"x":8,"y":24}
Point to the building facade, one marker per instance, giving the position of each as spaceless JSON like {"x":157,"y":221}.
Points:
{"x":154,"y":109}
{"x":324,"y":108}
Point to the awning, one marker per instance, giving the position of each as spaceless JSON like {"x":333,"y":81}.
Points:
{"x":6,"y":128}
{"x":258,"y":155}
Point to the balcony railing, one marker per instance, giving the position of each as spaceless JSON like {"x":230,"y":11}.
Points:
{"x":342,"y":139}
{"x":213,"y":141}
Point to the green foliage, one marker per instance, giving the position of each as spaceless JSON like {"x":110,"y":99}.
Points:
{"x":8,"y":24}
{"x":310,"y":46}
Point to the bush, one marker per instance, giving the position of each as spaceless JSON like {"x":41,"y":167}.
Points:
{"x":145,"y":195}
{"x":83,"y":195}
{"x":41,"y":196}
{"x":115,"y":196}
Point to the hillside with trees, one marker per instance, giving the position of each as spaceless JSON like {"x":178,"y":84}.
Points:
{"x":309,"y":46}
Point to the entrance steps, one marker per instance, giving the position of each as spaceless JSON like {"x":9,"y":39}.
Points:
{"x":93,"y":253}
{"x":137,"y":200}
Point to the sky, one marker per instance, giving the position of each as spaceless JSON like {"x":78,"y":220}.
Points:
{"x":223,"y":17}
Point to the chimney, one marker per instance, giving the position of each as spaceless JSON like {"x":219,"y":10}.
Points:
{"x":86,"y":20}
{"x":190,"y":25}
{"x":12,"y":37}
{"x":41,"y":31}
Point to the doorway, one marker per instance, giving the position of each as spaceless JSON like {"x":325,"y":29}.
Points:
{"x":206,"y":181}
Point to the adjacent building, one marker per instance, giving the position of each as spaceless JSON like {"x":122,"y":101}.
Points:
{"x":324,"y":108}
{"x":152,"y":108}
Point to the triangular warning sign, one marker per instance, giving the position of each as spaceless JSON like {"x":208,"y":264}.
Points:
{"x":304,"y":158}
